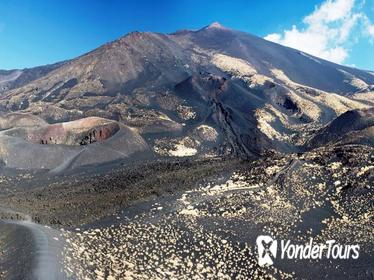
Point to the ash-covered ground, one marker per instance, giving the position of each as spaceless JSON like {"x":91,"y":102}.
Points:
{"x":188,"y":219}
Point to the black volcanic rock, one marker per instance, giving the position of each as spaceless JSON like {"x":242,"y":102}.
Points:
{"x":352,"y":127}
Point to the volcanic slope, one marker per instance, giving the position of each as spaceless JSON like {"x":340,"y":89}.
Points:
{"x":210,"y":92}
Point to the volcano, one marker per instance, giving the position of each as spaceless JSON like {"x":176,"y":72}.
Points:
{"x":249,"y":95}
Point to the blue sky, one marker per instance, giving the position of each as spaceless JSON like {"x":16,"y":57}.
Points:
{"x":36,"y":32}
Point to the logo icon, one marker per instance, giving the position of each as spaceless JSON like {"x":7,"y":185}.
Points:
{"x":267,"y":250}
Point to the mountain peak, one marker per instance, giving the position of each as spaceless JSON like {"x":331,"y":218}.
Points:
{"x":215,"y":25}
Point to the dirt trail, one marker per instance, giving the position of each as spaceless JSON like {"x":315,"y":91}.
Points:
{"x":44,"y":251}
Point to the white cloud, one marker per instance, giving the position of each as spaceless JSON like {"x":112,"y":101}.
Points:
{"x":330,"y":11}
{"x":327,"y":31}
{"x":369,"y":27}
{"x":274,"y":37}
